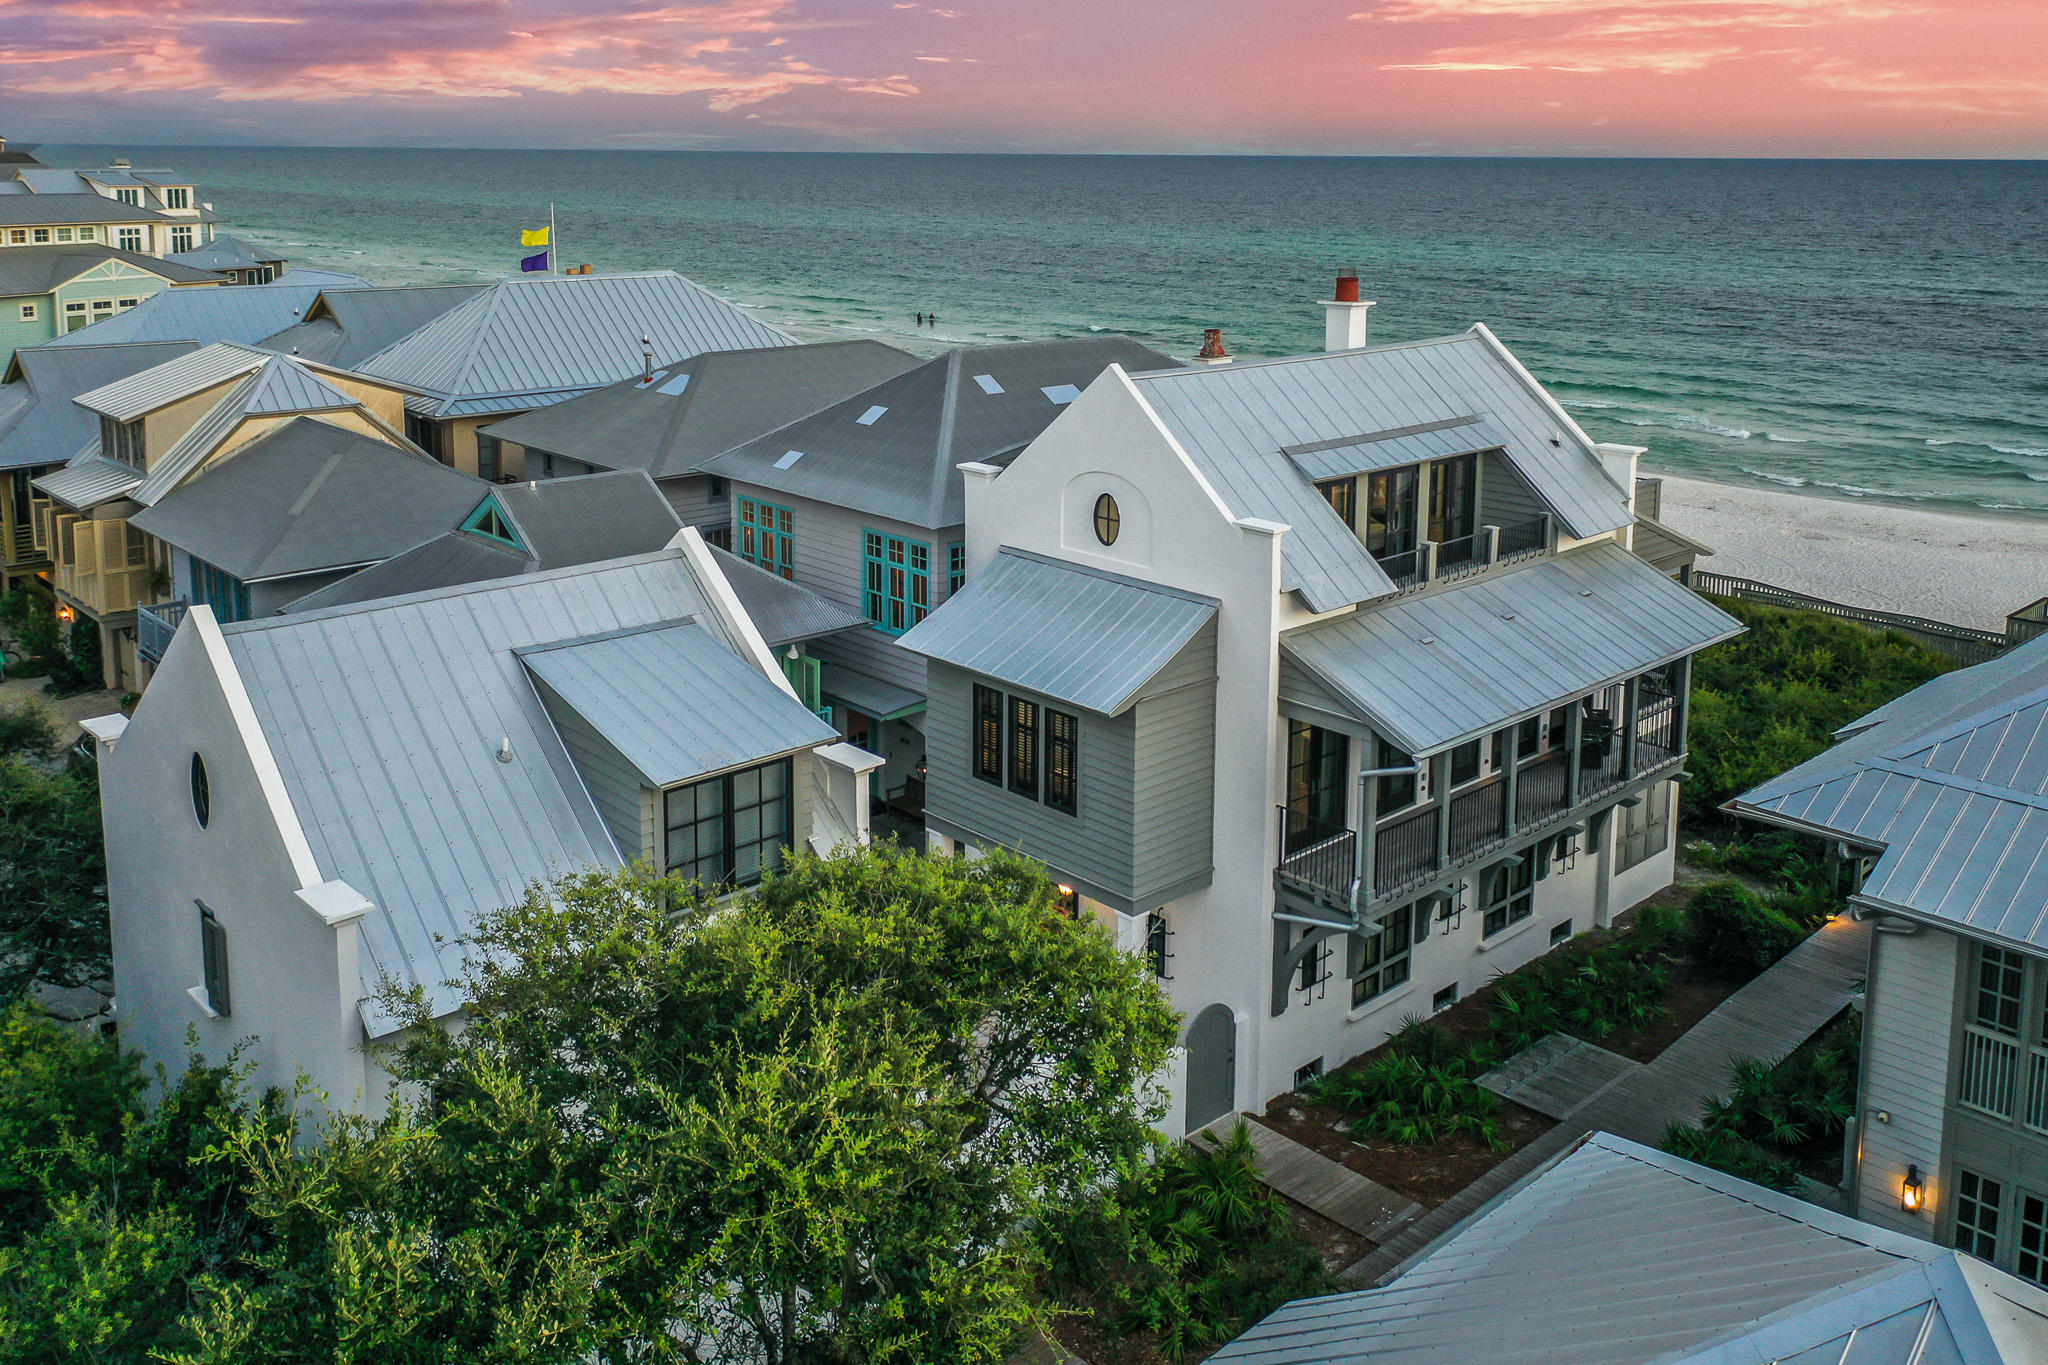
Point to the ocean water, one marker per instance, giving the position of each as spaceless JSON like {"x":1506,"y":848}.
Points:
{"x":1867,"y":330}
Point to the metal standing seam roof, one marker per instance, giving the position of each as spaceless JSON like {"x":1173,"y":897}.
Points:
{"x":243,"y":313}
{"x":784,"y":612}
{"x":1434,"y":669}
{"x":24,"y":210}
{"x":41,"y":425}
{"x":702,"y":405}
{"x":904,"y":464}
{"x":306,"y":497}
{"x":40,"y":269}
{"x":1076,"y":634}
{"x":89,"y":481}
{"x":1622,"y":1255}
{"x":450,"y":559}
{"x":1334,"y":459}
{"x":224,"y":253}
{"x":1951,"y":782}
{"x":562,"y":334}
{"x":126,"y":399}
{"x":387,"y":718}
{"x":1236,"y":423}
{"x":588,"y":517}
{"x":625,"y":686}
{"x":349,"y":325}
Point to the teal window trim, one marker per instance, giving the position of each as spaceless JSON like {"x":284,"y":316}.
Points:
{"x":490,"y":522}
{"x":225,"y":593}
{"x":764,"y":534}
{"x":956,"y":567}
{"x":898,"y":580}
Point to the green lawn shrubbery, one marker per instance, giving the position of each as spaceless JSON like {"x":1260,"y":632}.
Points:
{"x":1736,"y":933}
{"x":1780,"y":1122}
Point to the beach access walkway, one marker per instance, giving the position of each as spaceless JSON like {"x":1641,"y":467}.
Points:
{"x":1768,"y":1018}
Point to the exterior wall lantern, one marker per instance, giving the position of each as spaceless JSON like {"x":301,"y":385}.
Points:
{"x":1912,"y":1192}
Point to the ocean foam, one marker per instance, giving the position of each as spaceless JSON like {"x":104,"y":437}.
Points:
{"x":1787,"y":440}
{"x":1789,"y":480}
{"x":2032,"y":452}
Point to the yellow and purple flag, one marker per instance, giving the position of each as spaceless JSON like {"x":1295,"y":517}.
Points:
{"x":535,"y":237}
{"x":529,"y":264}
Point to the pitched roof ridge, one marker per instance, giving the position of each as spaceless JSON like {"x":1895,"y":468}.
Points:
{"x":942,"y":448}
{"x":1108,"y":575}
{"x":1306,"y":357}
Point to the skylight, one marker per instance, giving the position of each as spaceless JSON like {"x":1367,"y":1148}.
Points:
{"x":867,"y":419}
{"x":676,"y":385}
{"x":789,"y":458}
{"x":988,"y":383}
{"x":1061,"y":393}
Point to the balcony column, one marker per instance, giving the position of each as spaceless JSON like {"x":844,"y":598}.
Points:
{"x":1440,"y":788}
{"x":1490,"y":540}
{"x":1574,"y":731}
{"x":1425,"y":561}
{"x":1631,"y":697}
{"x":1368,"y":841}
{"x":1512,"y":778}
{"x":1681,"y":705}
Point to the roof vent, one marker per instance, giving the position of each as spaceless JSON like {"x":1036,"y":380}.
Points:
{"x":1213,"y":351}
{"x":1557,"y":439}
{"x":1427,"y":640}
{"x":505,"y":749}
{"x":646,"y":359}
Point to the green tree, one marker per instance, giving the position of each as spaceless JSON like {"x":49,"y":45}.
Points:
{"x":815,"y":1123}
{"x":53,"y":878}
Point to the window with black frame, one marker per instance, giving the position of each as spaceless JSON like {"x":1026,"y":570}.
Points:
{"x":1465,"y":763}
{"x":1390,"y":513}
{"x":1316,"y":764}
{"x":1062,"y":760}
{"x":1382,"y":959}
{"x":1452,"y":486}
{"x":1397,"y":790}
{"x":988,"y":734}
{"x":1024,"y":747}
{"x":728,"y":830}
{"x":1342,"y":495}
{"x":1510,"y":894}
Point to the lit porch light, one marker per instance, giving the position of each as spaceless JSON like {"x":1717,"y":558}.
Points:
{"x":1912,"y":1191}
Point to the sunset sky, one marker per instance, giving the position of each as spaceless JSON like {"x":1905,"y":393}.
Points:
{"x":1572,"y":77}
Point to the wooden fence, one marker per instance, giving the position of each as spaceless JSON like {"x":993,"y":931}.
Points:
{"x":1961,"y":643}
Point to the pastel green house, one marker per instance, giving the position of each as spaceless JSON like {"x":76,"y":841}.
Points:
{"x":48,"y":291}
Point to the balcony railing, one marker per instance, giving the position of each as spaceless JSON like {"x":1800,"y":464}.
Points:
{"x":1479,"y":817}
{"x":1541,"y":790}
{"x":1523,"y":538}
{"x":155,"y":624}
{"x":2036,"y":1116}
{"x":1319,"y":857}
{"x":1990,"y":1073}
{"x":1404,"y":851}
{"x":1460,"y":555}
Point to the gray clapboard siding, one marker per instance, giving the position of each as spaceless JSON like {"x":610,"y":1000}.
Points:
{"x":615,"y":785}
{"x":1906,"y":1035}
{"x":267,"y":599}
{"x":1505,"y":498}
{"x":1176,"y":784}
{"x":690,"y":496}
{"x":830,"y":561}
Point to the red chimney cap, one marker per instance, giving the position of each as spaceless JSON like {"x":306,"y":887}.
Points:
{"x":1347,"y":285}
{"x":1212,"y":345}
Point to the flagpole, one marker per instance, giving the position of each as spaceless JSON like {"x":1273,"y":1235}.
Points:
{"x":554,"y":244}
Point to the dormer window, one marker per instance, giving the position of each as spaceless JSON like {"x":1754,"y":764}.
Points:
{"x":129,"y":196}
{"x":178,"y":197}
{"x":492,"y":524}
{"x":122,"y":441}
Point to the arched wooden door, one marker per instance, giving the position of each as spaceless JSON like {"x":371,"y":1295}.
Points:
{"x":1212,"y":1066}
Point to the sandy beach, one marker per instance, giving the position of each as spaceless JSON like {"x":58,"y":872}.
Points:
{"x":1966,"y":570}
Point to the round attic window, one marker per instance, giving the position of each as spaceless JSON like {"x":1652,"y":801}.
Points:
{"x":202,"y":794}
{"x":1108,"y":521}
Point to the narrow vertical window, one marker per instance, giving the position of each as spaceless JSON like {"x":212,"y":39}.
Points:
{"x":1342,"y":495}
{"x":213,"y":954}
{"x":1977,"y":1201}
{"x":1157,"y":936}
{"x":767,"y":536}
{"x":956,"y":567}
{"x":1062,"y":760}
{"x":897,"y":587}
{"x":1024,"y":747}
{"x":988,"y":734}
{"x":202,"y":792}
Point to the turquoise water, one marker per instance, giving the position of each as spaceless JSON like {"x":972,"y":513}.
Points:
{"x":1858,"y":329}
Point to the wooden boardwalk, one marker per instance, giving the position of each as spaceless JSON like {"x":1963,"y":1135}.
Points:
{"x":1558,"y":1075}
{"x":1329,"y":1188}
{"x":1768,"y":1018}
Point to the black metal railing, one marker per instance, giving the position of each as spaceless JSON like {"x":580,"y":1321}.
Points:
{"x":1405,"y":850}
{"x":1316,"y":855}
{"x":1461,"y":551}
{"x":1540,"y":789}
{"x":1404,"y":568}
{"x":1479,"y":816}
{"x":1523,"y":537}
{"x":1657,"y":737}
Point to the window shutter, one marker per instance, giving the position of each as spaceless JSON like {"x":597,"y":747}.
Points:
{"x":807,"y":676}
{"x":213,"y":943}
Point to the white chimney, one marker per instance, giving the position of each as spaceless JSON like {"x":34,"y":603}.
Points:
{"x":1344,"y":316}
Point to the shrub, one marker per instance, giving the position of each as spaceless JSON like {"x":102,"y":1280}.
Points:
{"x":1726,"y":1151}
{"x":87,"y":666}
{"x":40,"y":638}
{"x":27,"y":731}
{"x":1417,"y":1097}
{"x":1774,"y":1119}
{"x":1736,"y":935}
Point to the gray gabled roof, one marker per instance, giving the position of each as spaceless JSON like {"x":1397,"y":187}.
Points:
{"x":1618,"y":1254}
{"x":309,"y":496}
{"x":1951,"y":782}
{"x":625,"y":685}
{"x":242,"y":313}
{"x":89,"y":481}
{"x":126,"y":399}
{"x":1434,"y":669}
{"x":697,"y":407}
{"x":348,"y":326}
{"x":1238,"y":424}
{"x":894,"y":450}
{"x":39,"y":424}
{"x":527,"y":342}
{"x":225,"y":253}
{"x":40,"y":269}
{"x":387,"y":719}
{"x":784,"y":612}
{"x":23,"y":210}
{"x":1076,"y":634}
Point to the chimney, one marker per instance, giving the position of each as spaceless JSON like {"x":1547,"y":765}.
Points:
{"x":1344,"y":315}
{"x":1213,"y":352}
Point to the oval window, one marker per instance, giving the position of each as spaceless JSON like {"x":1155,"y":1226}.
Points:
{"x":202,"y":795}
{"x":1108,"y":521}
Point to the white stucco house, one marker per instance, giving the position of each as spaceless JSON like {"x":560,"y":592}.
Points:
{"x":1330,"y":682}
{"x":303,"y":806}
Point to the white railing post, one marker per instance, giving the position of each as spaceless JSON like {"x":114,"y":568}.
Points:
{"x":1491,"y":536}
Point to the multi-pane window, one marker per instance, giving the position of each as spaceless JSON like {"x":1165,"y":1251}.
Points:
{"x":129,"y":196}
{"x":63,"y":234}
{"x":1397,"y":790}
{"x":1316,"y":764}
{"x":88,"y":234}
{"x":1342,"y":495}
{"x":1510,"y":894}
{"x":766,"y":535}
{"x":956,"y":567}
{"x":131,"y":239}
{"x":225,"y":593}
{"x":181,"y":239}
{"x":1451,"y":487}
{"x":1465,"y":763}
{"x":899,"y":581}
{"x":28,"y":312}
{"x":2033,"y":1258}
{"x":988,"y":734}
{"x":1157,"y":935}
{"x":178,"y":197}
{"x":1390,"y":512}
{"x":1024,"y":747}
{"x":1997,"y":998}
{"x":1381,"y":960}
{"x":728,"y":830}
{"x":1977,"y":1201}
{"x":1062,"y":760}
{"x":428,"y":434}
